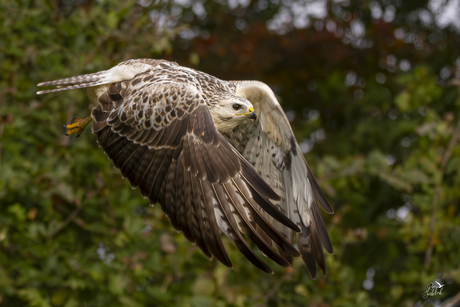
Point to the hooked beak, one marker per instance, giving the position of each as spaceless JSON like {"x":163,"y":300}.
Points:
{"x":251,"y":114}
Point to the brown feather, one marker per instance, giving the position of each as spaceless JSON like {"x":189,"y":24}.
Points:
{"x":319,"y":193}
{"x":213,"y":240}
{"x":248,"y":228}
{"x":235,"y":235}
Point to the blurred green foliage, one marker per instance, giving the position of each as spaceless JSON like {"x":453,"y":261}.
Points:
{"x":371,"y":102}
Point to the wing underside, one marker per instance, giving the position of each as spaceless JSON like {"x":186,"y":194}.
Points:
{"x":270,"y":146}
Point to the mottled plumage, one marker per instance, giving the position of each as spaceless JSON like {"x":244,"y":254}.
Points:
{"x":187,"y":141}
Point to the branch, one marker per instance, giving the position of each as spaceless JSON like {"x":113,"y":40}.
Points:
{"x":64,"y":224}
{"x":445,"y":160}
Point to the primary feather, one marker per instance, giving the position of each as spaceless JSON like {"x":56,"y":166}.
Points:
{"x":173,"y":133}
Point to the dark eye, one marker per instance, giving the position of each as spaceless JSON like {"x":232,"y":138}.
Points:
{"x":236,"y":106}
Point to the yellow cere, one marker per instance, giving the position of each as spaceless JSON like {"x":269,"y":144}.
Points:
{"x":251,"y":109}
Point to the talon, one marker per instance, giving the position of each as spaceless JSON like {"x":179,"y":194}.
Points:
{"x":76,"y":126}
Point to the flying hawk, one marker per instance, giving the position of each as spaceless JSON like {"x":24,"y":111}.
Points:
{"x":219,"y":156}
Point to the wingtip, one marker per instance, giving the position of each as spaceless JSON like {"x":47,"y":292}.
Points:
{"x":296,"y":228}
{"x":289,"y":223}
{"x":312,"y":271}
{"x":292,"y":250}
{"x":330,"y":251}
{"x":228,"y":264}
{"x":271,"y":209}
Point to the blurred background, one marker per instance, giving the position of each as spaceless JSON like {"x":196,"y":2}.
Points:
{"x":371,"y":90}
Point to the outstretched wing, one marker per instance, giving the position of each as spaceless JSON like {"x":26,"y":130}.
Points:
{"x":270,"y":146}
{"x":160,"y":133}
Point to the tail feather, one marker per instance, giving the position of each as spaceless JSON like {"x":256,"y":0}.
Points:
{"x":123,"y":71}
{"x":94,"y":77}
{"x":82,"y":81}
{"x":72,"y":87}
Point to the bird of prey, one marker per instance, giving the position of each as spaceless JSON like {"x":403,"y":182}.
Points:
{"x":219,"y":156}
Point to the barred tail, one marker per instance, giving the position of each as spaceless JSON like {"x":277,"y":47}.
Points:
{"x":82,"y":81}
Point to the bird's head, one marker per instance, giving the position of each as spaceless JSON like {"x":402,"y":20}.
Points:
{"x":232,"y":112}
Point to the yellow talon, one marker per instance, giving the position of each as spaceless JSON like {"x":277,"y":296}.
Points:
{"x":77,"y":125}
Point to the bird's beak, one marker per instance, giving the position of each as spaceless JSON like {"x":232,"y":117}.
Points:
{"x":251,"y":114}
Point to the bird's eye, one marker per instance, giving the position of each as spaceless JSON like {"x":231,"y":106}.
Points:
{"x":236,"y":107}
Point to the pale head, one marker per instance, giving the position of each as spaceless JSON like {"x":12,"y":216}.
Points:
{"x":231,"y":112}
